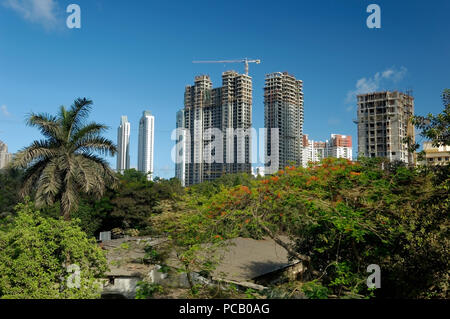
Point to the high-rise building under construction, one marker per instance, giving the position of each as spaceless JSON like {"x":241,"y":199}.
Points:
{"x":283,"y":110}
{"x":215,"y":138}
{"x":384,"y":123}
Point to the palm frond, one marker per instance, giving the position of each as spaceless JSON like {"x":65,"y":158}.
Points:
{"x":35,"y":152}
{"x":49,"y":183}
{"x":98,"y":144}
{"x":85,"y":174}
{"x":107,"y":173}
{"x":89,"y":130}
{"x":32,"y":175}
{"x":78,"y":113}
{"x":46,"y":123}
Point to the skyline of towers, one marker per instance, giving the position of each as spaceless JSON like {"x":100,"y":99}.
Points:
{"x":283,"y":109}
{"x":383,"y":120}
{"x":123,"y":145}
{"x":206,"y":155}
{"x":146,"y":143}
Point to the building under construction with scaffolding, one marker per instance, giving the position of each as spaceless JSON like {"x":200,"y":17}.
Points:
{"x":283,"y":110}
{"x":383,"y":124}
{"x":226,"y":109}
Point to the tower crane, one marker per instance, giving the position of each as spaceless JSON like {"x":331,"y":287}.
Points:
{"x":245,"y":61}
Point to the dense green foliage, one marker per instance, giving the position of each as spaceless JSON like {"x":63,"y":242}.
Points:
{"x":64,"y":165}
{"x":34,"y":255}
{"x":341,"y":216}
{"x":131,"y":204}
{"x":136,"y":200}
{"x":10,"y":183}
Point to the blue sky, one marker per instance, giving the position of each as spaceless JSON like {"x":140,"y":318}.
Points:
{"x":134,"y":55}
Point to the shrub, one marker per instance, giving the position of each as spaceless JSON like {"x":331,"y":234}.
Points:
{"x":36,"y":253}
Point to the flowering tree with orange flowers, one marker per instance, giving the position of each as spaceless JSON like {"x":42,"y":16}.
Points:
{"x":340,"y":216}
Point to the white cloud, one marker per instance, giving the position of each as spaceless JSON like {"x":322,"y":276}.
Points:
{"x":5,"y":111}
{"x":44,"y":12}
{"x":374,"y":83}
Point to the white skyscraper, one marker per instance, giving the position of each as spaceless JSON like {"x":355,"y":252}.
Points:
{"x":123,"y":145}
{"x":146,"y":142}
{"x":180,"y":149}
{"x":5,"y":157}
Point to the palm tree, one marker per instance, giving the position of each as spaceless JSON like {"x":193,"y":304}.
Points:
{"x":64,"y":164}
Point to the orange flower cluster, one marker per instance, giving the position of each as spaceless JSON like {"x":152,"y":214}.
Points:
{"x":355,"y":173}
{"x":311,"y":179}
{"x":218,"y":237}
{"x":245,"y":189}
{"x":265,"y":181}
{"x":275,"y":178}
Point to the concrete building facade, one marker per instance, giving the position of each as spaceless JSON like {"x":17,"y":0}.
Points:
{"x":225,"y":111}
{"x":283,"y":110}
{"x":340,"y":146}
{"x":309,"y":151}
{"x":436,"y":155}
{"x":123,"y":145}
{"x":146,"y":143}
{"x":383,"y":120}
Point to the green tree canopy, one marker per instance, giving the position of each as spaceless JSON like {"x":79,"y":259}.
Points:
{"x":10,"y":184}
{"x":35,"y":253}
